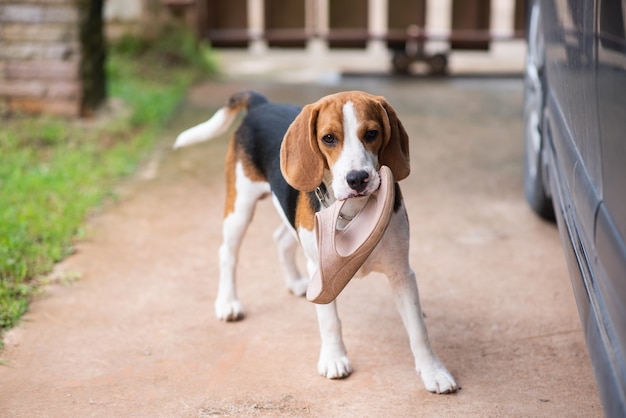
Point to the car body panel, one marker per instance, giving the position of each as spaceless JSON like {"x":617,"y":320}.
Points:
{"x":585,"y":139}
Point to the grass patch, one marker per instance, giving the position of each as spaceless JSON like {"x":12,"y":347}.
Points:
{"x":54,"y":171}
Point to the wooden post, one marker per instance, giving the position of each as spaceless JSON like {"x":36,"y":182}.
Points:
{"x":93,"y":55}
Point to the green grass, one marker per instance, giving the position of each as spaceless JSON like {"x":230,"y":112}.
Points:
{"x":53,"y":172}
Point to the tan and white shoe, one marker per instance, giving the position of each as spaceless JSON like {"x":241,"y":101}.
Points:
{"x":343,"y":252}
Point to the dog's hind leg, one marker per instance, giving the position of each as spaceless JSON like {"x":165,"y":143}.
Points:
{"x":241,"y":198}
{"x":287,"y":245}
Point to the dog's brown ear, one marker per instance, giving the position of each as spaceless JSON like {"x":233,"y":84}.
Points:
{"x":301,"y":161}
{"x":395,"y":150}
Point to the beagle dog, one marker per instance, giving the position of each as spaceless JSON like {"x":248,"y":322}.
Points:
{"x":305,"y":159}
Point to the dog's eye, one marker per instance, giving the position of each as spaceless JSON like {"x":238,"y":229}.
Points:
{"x":329,"y":139}
{"x":370,"y":135}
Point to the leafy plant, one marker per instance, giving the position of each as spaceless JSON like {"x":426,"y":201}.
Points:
{"x":53,"y":172}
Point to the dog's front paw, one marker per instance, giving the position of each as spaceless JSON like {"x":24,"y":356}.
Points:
{"x":299,"y":286}
{"x":334,"y":367}
{"x":228,"y":310}
{"x":438,"y":379}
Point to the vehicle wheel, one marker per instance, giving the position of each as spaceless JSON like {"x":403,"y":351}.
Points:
{"x":535,"y":170}
{"x":401,"y":62}
{"x":438,"y":64}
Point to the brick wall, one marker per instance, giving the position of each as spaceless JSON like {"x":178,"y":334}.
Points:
{"x":41,"y":58}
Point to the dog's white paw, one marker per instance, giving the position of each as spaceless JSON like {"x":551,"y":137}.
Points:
{"x":228,"y":310}
{"x":299,"y":286}
{"x":438,"y":379}
{"x":334,"y":367}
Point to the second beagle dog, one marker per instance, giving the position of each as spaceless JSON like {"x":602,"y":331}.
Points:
{"x":306,"y":158}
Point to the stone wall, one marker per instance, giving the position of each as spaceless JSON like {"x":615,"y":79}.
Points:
{"x":143,"y":18}
{"x":48,"y":49}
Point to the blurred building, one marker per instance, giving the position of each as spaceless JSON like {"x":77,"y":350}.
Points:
{"x":52,"y":52}
{"x":411,"y":29}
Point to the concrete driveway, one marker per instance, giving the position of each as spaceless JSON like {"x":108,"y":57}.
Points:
{"x":136,"y":334}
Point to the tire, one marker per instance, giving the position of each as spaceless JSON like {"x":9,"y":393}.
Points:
{"x":401,"y":62}
{"x":536,"y":185}
{"x":438,"y":64}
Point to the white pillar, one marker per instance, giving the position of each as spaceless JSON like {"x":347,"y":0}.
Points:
{"x":256,"y":26}
{"x":318,"y":10}
{"x":377,"y":25}
{"x":438,"y":23}
{"x":502,"y":18}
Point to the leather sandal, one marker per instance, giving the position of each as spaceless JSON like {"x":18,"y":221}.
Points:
{"x":343,"y":252}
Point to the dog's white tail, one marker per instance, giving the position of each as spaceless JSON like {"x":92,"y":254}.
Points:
{"x":214,"y":127}
{"x":221,"y":120}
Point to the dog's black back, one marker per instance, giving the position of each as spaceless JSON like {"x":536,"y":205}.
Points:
{"x":260,"y":136}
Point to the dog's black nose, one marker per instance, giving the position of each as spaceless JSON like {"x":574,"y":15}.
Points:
{"x":357,"y":180}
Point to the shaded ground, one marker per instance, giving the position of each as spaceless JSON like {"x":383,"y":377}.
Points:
{"x":136,"y":335}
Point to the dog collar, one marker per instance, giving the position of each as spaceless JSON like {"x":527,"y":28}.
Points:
{"x":321,"y":193}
